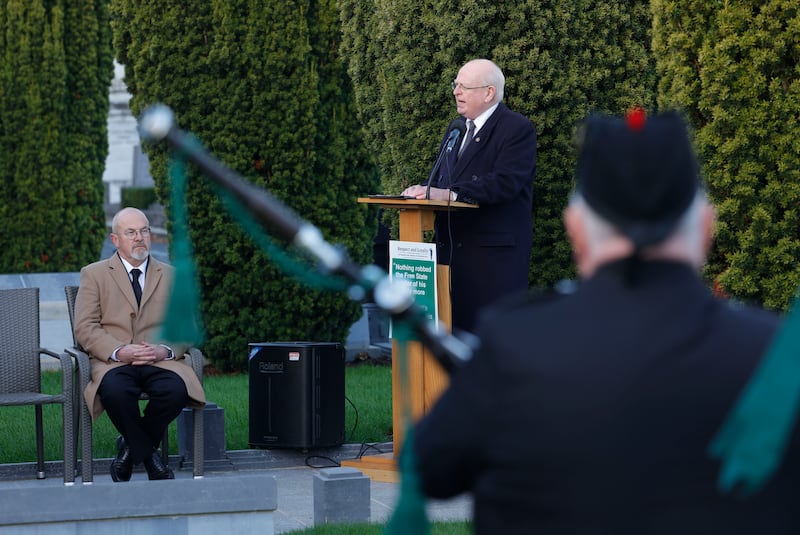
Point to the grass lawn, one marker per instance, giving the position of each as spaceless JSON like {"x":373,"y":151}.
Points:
{"x":368,"y":415}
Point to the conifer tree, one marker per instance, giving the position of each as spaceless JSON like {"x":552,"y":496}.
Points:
{"x":733,"y":69}
{"x":56,"y":68}
{"x":261,"y":84}
{"x":89,"y":70}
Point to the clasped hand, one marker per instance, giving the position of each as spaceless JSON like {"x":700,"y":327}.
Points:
{"x":142,"y":353}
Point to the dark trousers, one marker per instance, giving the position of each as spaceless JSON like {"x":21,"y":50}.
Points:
{"x":120,"y":390}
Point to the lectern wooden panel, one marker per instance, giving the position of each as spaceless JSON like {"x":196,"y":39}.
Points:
{"x":427,"y":380}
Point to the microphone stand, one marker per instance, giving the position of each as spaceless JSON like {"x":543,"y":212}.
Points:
{"x":436,"y":166}
{"x":157,"y":123}
{"x":454,"y":132}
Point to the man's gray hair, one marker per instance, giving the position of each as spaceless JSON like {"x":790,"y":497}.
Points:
{"x":494,"y":77}
{"x":116,"y":217}
{"x":687,"y":232}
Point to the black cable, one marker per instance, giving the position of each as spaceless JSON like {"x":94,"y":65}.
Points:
{"x":366,"y":447}
{"x":334,"y":464}
{"x":449,"y":231}
{"x":355,"y":424}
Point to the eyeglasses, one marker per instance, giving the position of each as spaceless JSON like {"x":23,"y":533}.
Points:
{"x":131,"y":233}
{"x":454,"y":85}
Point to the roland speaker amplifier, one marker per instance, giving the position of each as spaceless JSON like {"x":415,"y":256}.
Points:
{"x":296,"y":394}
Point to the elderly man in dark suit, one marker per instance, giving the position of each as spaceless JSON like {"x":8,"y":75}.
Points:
{"x":118,"y":314}
{"x":488,"y":249}
{"x":592,"y":411}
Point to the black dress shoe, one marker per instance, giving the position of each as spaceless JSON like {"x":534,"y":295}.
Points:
{"x":156,"y":469}
{"x":122,"y":465}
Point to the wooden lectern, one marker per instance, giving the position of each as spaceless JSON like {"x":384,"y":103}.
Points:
{"x":427,"y":380}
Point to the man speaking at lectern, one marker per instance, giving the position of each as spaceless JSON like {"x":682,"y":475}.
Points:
{"x":492,"y":165}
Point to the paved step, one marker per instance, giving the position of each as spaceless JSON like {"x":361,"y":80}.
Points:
{"x":293,"y":470}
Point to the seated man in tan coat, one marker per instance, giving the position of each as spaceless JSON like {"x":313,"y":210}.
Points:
{"x":118,"y":314}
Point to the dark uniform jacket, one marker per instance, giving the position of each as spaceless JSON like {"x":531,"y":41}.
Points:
{"x":593,"y":413}
{"x":488,"y":248}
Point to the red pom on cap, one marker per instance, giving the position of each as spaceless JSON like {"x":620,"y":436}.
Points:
{"x":635,"y":119}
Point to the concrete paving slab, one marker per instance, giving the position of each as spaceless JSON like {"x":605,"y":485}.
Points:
{"x":294,"y":480}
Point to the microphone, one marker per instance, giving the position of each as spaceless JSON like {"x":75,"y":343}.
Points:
{"x":455,"y":135}
{"x":456,"y":129}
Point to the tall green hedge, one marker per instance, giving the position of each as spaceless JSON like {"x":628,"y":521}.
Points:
{"x":261,"y":84}
{"x":54,"y":81}
{"x":562,"y":60}
{"x":734,"y":68}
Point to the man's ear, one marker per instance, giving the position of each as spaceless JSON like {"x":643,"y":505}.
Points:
{"x":709,"y":222}
{"x":576,"y":232}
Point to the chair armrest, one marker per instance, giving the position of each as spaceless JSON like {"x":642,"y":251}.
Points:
{"x":83,"y":365}
{"x":196,"y":359}
{"x":66,"y":367}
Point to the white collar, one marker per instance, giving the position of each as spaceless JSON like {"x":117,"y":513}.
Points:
{"x":481,"y":119}
{"x":129,"y":266}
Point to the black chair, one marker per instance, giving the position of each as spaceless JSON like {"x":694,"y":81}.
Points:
{"x":195,"y":358}
{"x":21,"y":372}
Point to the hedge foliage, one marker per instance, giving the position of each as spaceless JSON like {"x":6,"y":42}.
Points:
{"x":266,"y":85}
{"x":561,"y":60}
{"x":734,"y":68}
{"x":54,"y":78}
{"x":261,"y":84}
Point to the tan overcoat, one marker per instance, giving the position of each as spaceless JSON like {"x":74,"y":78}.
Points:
{"x":106,"y":317}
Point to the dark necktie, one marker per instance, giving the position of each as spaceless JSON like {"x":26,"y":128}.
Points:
{"x":137,"y":288}
{"x":468,"y":137}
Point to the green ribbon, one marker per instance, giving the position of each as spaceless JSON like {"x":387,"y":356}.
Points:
{"x":754,"y":436}
{"x":409,"y":515}
{"x":182,"y":323}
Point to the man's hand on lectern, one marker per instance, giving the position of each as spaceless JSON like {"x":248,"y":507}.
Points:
{"x":437,"y":194}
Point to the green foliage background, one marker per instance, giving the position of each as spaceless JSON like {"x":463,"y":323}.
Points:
{"x":561,"y":60}
{"x":321,"y":102}
{"x":262,"y":86}
{"x":55,"y":70}
{"x":734,"y":67}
